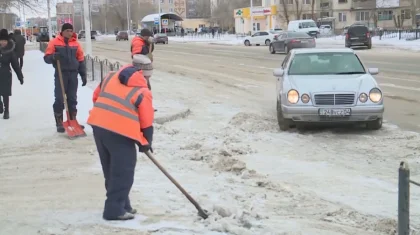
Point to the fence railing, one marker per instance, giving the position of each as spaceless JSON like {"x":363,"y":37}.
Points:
{"x":404,"y":182}
{"x":95,"y":67}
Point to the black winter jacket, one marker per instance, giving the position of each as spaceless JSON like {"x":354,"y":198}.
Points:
{"x":20,"y":43}
{"x":7,"y":58}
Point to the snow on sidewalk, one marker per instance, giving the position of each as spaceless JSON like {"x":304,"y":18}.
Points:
{"x":253,"y":179}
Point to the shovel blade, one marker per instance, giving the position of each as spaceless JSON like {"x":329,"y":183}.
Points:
{"x":73,"y":129}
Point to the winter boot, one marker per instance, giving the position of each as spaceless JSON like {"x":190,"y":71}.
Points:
{"x":126,"y":216}
{"x":73,"y":117}
{"x":6,"y":114}
{"x":59,"y":122}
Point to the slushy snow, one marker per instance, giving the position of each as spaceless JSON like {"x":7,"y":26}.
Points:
{"x":252,"y":178}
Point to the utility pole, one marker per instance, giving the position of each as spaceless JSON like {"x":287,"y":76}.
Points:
{"x":252,"y":19}
{"x":160,"y":20}
{"x":49,"y":20}
{"x":24,"y":20}
{"x":128,"y":18}
{"x":88,"y":40}
{"x":413,"y":14}
{"x":106,"y":13}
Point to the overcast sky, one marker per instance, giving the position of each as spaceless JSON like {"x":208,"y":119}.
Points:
{"x":43,"y":12}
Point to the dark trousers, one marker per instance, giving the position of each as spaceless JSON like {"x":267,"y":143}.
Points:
{"x":118,"y":156}
{"x":70,"y":87}
{"x":5,"y":102}
{"x":21,"y":62}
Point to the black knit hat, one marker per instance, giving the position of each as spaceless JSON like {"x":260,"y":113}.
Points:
{"x":4,"y":35}
{"x":66,"y":26}
{"x":146,"y":32}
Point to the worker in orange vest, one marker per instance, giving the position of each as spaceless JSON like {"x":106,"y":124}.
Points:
{"x":121,"y":118}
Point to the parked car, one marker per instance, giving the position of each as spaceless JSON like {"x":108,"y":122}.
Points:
{"x":327,"y":86}
{"x":81,"y":34}
{"x":287,"y":41}
{"x":161,"y":38}
{"x":259,"y":38}
{"x":307,"y":26}
{"x":358,"y":35}
{"x":122,"y":35}
{"x":325,"y":30}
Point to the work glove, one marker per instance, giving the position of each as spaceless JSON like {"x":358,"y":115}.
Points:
{"x":56,"y":56}
{"x":84,"y":80}
{"x":145,"y":148}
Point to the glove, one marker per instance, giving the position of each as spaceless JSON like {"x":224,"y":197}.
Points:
{"x":56,"y":56}
{"x":145,"y":148}
{"x":84,"y":80}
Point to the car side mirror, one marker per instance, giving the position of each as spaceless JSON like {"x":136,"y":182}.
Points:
{"x":278,"y":72}
{"x":373,"y":71}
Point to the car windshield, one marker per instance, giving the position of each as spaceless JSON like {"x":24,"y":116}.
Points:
{"x":308,"y":24}
{"x":326,"y":63}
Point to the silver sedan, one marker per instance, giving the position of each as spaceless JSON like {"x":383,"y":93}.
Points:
{"x":329,"y":86}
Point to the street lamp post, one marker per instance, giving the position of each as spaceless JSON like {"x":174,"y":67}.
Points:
{"x":160,"y":20}
{"x":252,"y":19}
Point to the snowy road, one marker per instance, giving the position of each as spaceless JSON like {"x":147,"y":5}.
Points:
{"x":227,"y":151}
{"x":399,"y":74}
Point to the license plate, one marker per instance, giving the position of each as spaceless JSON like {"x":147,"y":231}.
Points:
{"x":303,"y":41}
{"x":354,"y":38}
{"x":334,"y":112}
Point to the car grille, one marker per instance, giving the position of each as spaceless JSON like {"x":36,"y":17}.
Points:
{"x":334,"y":99}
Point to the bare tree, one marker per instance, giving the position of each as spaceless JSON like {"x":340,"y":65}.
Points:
{"x":203,"y":9}
{"x":298,"y":9}
{"x":222,"y":13}
{"x":313,"y":10}
{"x":398,"y":20}
{"x":285,"y":11}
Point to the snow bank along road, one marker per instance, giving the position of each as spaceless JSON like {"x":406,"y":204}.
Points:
{"x":226,"y":150}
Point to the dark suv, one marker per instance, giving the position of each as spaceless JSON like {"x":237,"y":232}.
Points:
{"x":358,"y":35}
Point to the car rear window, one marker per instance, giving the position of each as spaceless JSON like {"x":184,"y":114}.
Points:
{"x":358,"y":30}
{"x":325,"y":63}
{"x":298,"y":35}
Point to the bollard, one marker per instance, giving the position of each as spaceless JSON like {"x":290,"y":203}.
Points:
{"x":403,"y":199}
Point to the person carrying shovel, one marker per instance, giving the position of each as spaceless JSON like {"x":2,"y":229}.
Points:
{"x":121,"y":118}
{"x":66,"y":49}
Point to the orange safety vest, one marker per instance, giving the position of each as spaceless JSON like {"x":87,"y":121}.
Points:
{"x":114,"y":110}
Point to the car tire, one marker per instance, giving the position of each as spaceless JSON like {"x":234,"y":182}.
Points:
{"x":284,"y":124}
{"x":267,"y":42}
{"x":374,"y":125}
{"x":271,"y":48}
{"x":286,"y":50}
{"x":369,"y":46}
{"x":247,"y":43}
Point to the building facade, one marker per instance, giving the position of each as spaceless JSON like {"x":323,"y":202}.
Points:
{"x":385,"y":14}
{"x":64,"y":13}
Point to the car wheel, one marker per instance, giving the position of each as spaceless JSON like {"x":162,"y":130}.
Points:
{"x":374,"y":125}
{"x":286,"y":50}
{"x":247,"y":43}
{"x":267,"y":42}
{"x":272,"y":51}
{"x":369,"y":46}
{"x":284,"y":124}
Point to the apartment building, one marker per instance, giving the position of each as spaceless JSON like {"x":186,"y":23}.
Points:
{"x":64,"y":13}
{"x":341,"y":13}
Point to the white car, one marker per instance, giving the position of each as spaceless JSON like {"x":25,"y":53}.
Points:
{"x":259,"y":38}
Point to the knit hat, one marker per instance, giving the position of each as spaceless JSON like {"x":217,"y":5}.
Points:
{"x":146,"y":32}
{"x":144,"y":63}
{"x":66,"y":26}
{"x":4,"y":35}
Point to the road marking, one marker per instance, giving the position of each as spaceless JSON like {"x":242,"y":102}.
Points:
{"x":399,"y":87}
{"x":400,"y":79}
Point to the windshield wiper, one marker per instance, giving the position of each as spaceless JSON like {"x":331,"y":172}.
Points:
{"x":351,"y":73}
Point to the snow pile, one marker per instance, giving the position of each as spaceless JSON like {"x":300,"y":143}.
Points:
{"x":385,"y":42}
{"x":208,"y":38}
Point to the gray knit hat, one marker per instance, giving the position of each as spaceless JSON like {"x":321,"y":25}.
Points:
{"x":144,"y":63}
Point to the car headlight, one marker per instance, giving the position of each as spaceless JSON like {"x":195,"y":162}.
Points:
{"x":293,"y":96}
{"x":305,"y":98}
{"x":375,"y":95}
{"x":363,"y":97}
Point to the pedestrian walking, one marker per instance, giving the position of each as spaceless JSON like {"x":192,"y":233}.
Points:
{"x":65,"y":48}
{"x":20,"y":46}
{"x":7,"y":58}
{"x":143,"y":45}
{"x":121,"y":118}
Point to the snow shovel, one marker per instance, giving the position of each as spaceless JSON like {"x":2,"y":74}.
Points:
{"x":72,"y":127}
{"x":202,"y":213}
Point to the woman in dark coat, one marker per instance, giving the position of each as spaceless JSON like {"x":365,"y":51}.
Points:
{"x":7,"y":58}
